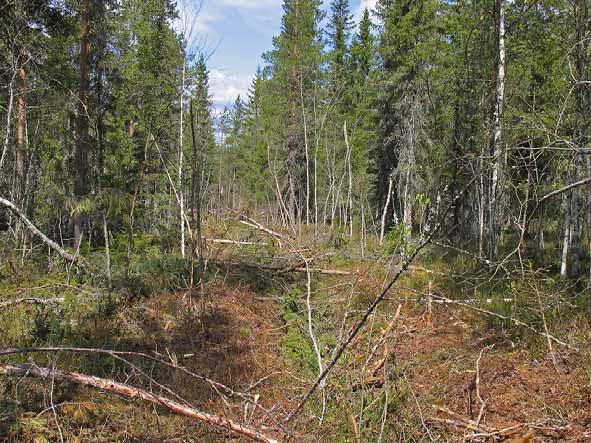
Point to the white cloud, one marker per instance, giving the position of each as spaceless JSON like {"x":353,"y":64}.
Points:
{"x":195,"y":21}
{"x":369,"y":4}
{"x":213,"y":25}
{"x":225,"y":88}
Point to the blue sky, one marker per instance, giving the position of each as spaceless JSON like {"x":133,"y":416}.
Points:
{"x":236,"y":33}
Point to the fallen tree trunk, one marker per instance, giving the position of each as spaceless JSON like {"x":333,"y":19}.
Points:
{"x":254,"y":224}
{"x":283,"y":269}
{"x":135,"y":393}
{"x":32,"y":301}
{"x":35,"y":231}
{"x":234,"y":242}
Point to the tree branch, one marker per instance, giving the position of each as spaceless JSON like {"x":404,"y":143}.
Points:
{"x":406,"y":263}
{"x":32,"y":301}
{"x":35,"y":231}
{"x":135,"y":393}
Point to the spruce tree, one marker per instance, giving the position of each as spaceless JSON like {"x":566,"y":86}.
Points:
{"x":294,"y":65}
{"x":362,"y":117}
{"x":408,"y":48}
{"x":338,"y":29}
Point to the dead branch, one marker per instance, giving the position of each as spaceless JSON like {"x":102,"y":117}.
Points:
{"x":455,"y":423}
{"x":324,"y":271}
{"x":234,"y":242}
{"x":504,"y":317}
{"x":32,"y":301}
{"x":564,"y":189}
{"x":254,"y":224}
{"x":218,"y":387}
{"x":405,"y":265}
{"x":283,"y":269}
{"x":460,"y":421}
{"x":136,"y":393}
{"x":35,"y":231}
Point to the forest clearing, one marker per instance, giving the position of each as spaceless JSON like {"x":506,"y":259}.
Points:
{"x":387,"y":238}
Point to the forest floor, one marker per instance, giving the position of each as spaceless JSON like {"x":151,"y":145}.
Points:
{"x":438,"y":356}
{"x":442,"y":370}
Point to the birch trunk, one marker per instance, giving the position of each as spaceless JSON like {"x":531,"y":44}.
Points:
{"x":565,"y":240}
{"x":181,"y":160}
{"x":350,"y":172}
{"x":385,"y":211}
{"x":496,"y":148}
{"x":8,"y":119}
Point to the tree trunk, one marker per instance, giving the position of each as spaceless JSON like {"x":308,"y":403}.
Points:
{"x":107,"y":252}
{"x":496,"y":147}
{"x":385,"y":211}
{"x":583,"y":104}
{"x":576,"y":230}
{"x":196,"y":191}
{"x":130,"y":392}
{"x":8,"y":119}
{"x":350,"y":173}
{"x":82,"y":124}
{"x":565,"y":238}
{"x":21,"y":130}
{"x":181,"y":159}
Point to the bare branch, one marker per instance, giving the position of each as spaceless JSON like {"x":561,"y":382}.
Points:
{"x":35,"y":231}
{"x":406,"y":263}
{"x":136,"y":393}
{"x":32,"y":301}
{"x":564,"y":189}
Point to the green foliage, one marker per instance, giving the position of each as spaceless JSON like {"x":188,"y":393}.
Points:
{"x":296,"y":345}
{"x":397,"y":238}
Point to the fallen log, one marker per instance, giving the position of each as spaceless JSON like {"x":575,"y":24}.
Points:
{"x":283,"y":269}
{"x":254,"y":224}
{"x":32,"y":301}
{"x":36,"y":231}
{"x":235,"y":242}
{"x":323,"y":271}
{"x":219,"y":422}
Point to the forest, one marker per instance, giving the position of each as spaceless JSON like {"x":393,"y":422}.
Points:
{"x":387,"y":239}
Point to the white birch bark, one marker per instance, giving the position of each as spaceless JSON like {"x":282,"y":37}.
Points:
{"x":350,"y":172}
{"x":8,"y":119}
{"x":496,"y":149}
{"x":565,"y":240}
{"x":181,"y":159}
{"x":385,"y":211}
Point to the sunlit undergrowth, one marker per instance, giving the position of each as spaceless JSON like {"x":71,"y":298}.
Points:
{"x":450,"y":301}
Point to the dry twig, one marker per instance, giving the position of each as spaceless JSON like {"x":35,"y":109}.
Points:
{"x":136,"y":393}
